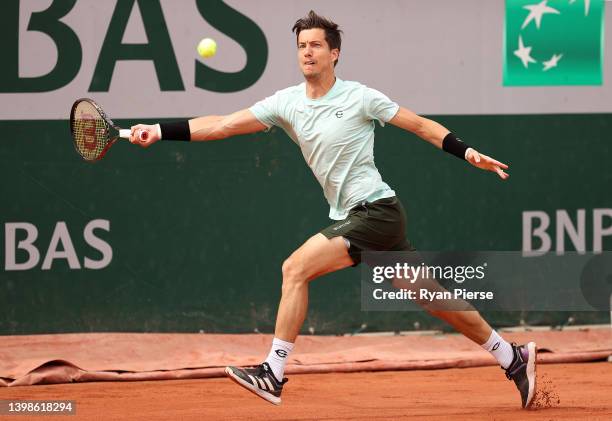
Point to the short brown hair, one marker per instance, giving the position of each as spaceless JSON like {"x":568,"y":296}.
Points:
{"x":311,"y":21}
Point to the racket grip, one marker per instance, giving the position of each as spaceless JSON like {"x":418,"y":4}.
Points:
{"x":125,"y":133}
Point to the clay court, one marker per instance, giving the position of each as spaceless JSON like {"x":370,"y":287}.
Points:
{"x":425,"y":376}
{"x":575,"y":391}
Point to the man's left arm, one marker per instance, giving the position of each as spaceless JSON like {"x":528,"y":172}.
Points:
{"x":442,"y":138}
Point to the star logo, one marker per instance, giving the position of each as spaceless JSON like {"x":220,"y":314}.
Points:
{"x":524,"y":53}
{"x":587,"y":4}
{"x":538,"y":50}
{"x":552,"y":62}
{"x":536,"y":12}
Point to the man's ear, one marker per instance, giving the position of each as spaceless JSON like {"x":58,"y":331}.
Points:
{"x":335,"y":54}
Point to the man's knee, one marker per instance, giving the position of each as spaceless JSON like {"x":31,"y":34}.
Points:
{"x":294,"y":272}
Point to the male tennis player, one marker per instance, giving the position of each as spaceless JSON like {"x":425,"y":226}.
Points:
{"x":332,"y":121}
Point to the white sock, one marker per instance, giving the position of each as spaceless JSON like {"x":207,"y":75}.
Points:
{"x":277,"y":358}
{"x":500,"y":349}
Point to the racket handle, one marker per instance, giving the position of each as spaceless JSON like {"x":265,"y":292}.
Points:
{"x":125,"y":133}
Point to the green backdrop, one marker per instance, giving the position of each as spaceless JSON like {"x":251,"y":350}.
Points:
{"x":199,"y":230}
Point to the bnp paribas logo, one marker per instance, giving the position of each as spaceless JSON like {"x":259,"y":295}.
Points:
{"x":553,"y":42}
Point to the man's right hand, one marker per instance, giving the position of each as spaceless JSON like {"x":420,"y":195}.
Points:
{"x":152,"y":134}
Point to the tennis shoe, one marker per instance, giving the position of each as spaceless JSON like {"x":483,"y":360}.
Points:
{"x":523,"y":371}
{"x":259,"y":380}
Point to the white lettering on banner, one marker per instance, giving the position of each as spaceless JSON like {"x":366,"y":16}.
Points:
{"x":577,"y":235}
{"x":60,"y":246}
{"x":564,"y":226}
{"x":97,"y":243}
{"x":60,"y":234}
{"x":540,"y":232}
{"x":10,"y":258}
{"x":88,"y":24}
{"x":598,"y":231}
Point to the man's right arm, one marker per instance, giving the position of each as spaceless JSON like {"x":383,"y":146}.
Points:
{"x":204,"y":128}
{"x":220,"y":127}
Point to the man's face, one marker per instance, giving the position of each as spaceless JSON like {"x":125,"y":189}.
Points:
{"x":314,"y":55}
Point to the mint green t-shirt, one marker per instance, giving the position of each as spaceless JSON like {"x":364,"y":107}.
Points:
{"x":336,"y":136}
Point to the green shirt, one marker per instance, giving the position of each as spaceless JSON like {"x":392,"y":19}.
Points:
{"x":336,"y":136}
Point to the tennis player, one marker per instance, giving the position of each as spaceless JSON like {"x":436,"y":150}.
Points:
{"x":332,"y":121}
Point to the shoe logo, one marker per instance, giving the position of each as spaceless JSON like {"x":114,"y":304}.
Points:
{"x":281,"y":353}
{"x":495,"y":346}
{"x":339,"y":114}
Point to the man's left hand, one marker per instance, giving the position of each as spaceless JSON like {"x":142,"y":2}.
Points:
{"x":486,"y":163}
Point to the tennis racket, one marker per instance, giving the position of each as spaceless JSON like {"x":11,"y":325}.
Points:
{"x":93,"y":132}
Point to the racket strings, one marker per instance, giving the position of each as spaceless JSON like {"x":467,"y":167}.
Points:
{"x":90,"y":131}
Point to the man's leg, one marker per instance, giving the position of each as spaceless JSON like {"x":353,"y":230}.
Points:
{"x":469,"y":323}
{"x":316,"y":257}
{"x":518,"y":361}
{"x":458,"y":313}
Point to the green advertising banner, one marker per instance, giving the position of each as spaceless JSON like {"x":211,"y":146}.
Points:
{"x":191,"y":236}
{"x":554,"y":42}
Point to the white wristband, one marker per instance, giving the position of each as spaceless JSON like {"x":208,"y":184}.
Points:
{"x":159,"y":133}
{"x":467,"y":151}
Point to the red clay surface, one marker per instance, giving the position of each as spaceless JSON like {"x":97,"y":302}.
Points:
{"x":575,"y":391}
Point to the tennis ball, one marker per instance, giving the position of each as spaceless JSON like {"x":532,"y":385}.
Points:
{"x":207,"y":47}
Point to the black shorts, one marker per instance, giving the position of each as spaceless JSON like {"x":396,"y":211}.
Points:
{"x":373,"y":226}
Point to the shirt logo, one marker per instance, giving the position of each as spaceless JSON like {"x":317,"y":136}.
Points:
{"x":339,"y":114}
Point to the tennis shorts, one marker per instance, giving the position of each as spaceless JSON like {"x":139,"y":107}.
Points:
{"x":373,"y":226}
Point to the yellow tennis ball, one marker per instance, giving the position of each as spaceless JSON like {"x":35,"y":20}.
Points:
{"x":207,"y":47}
